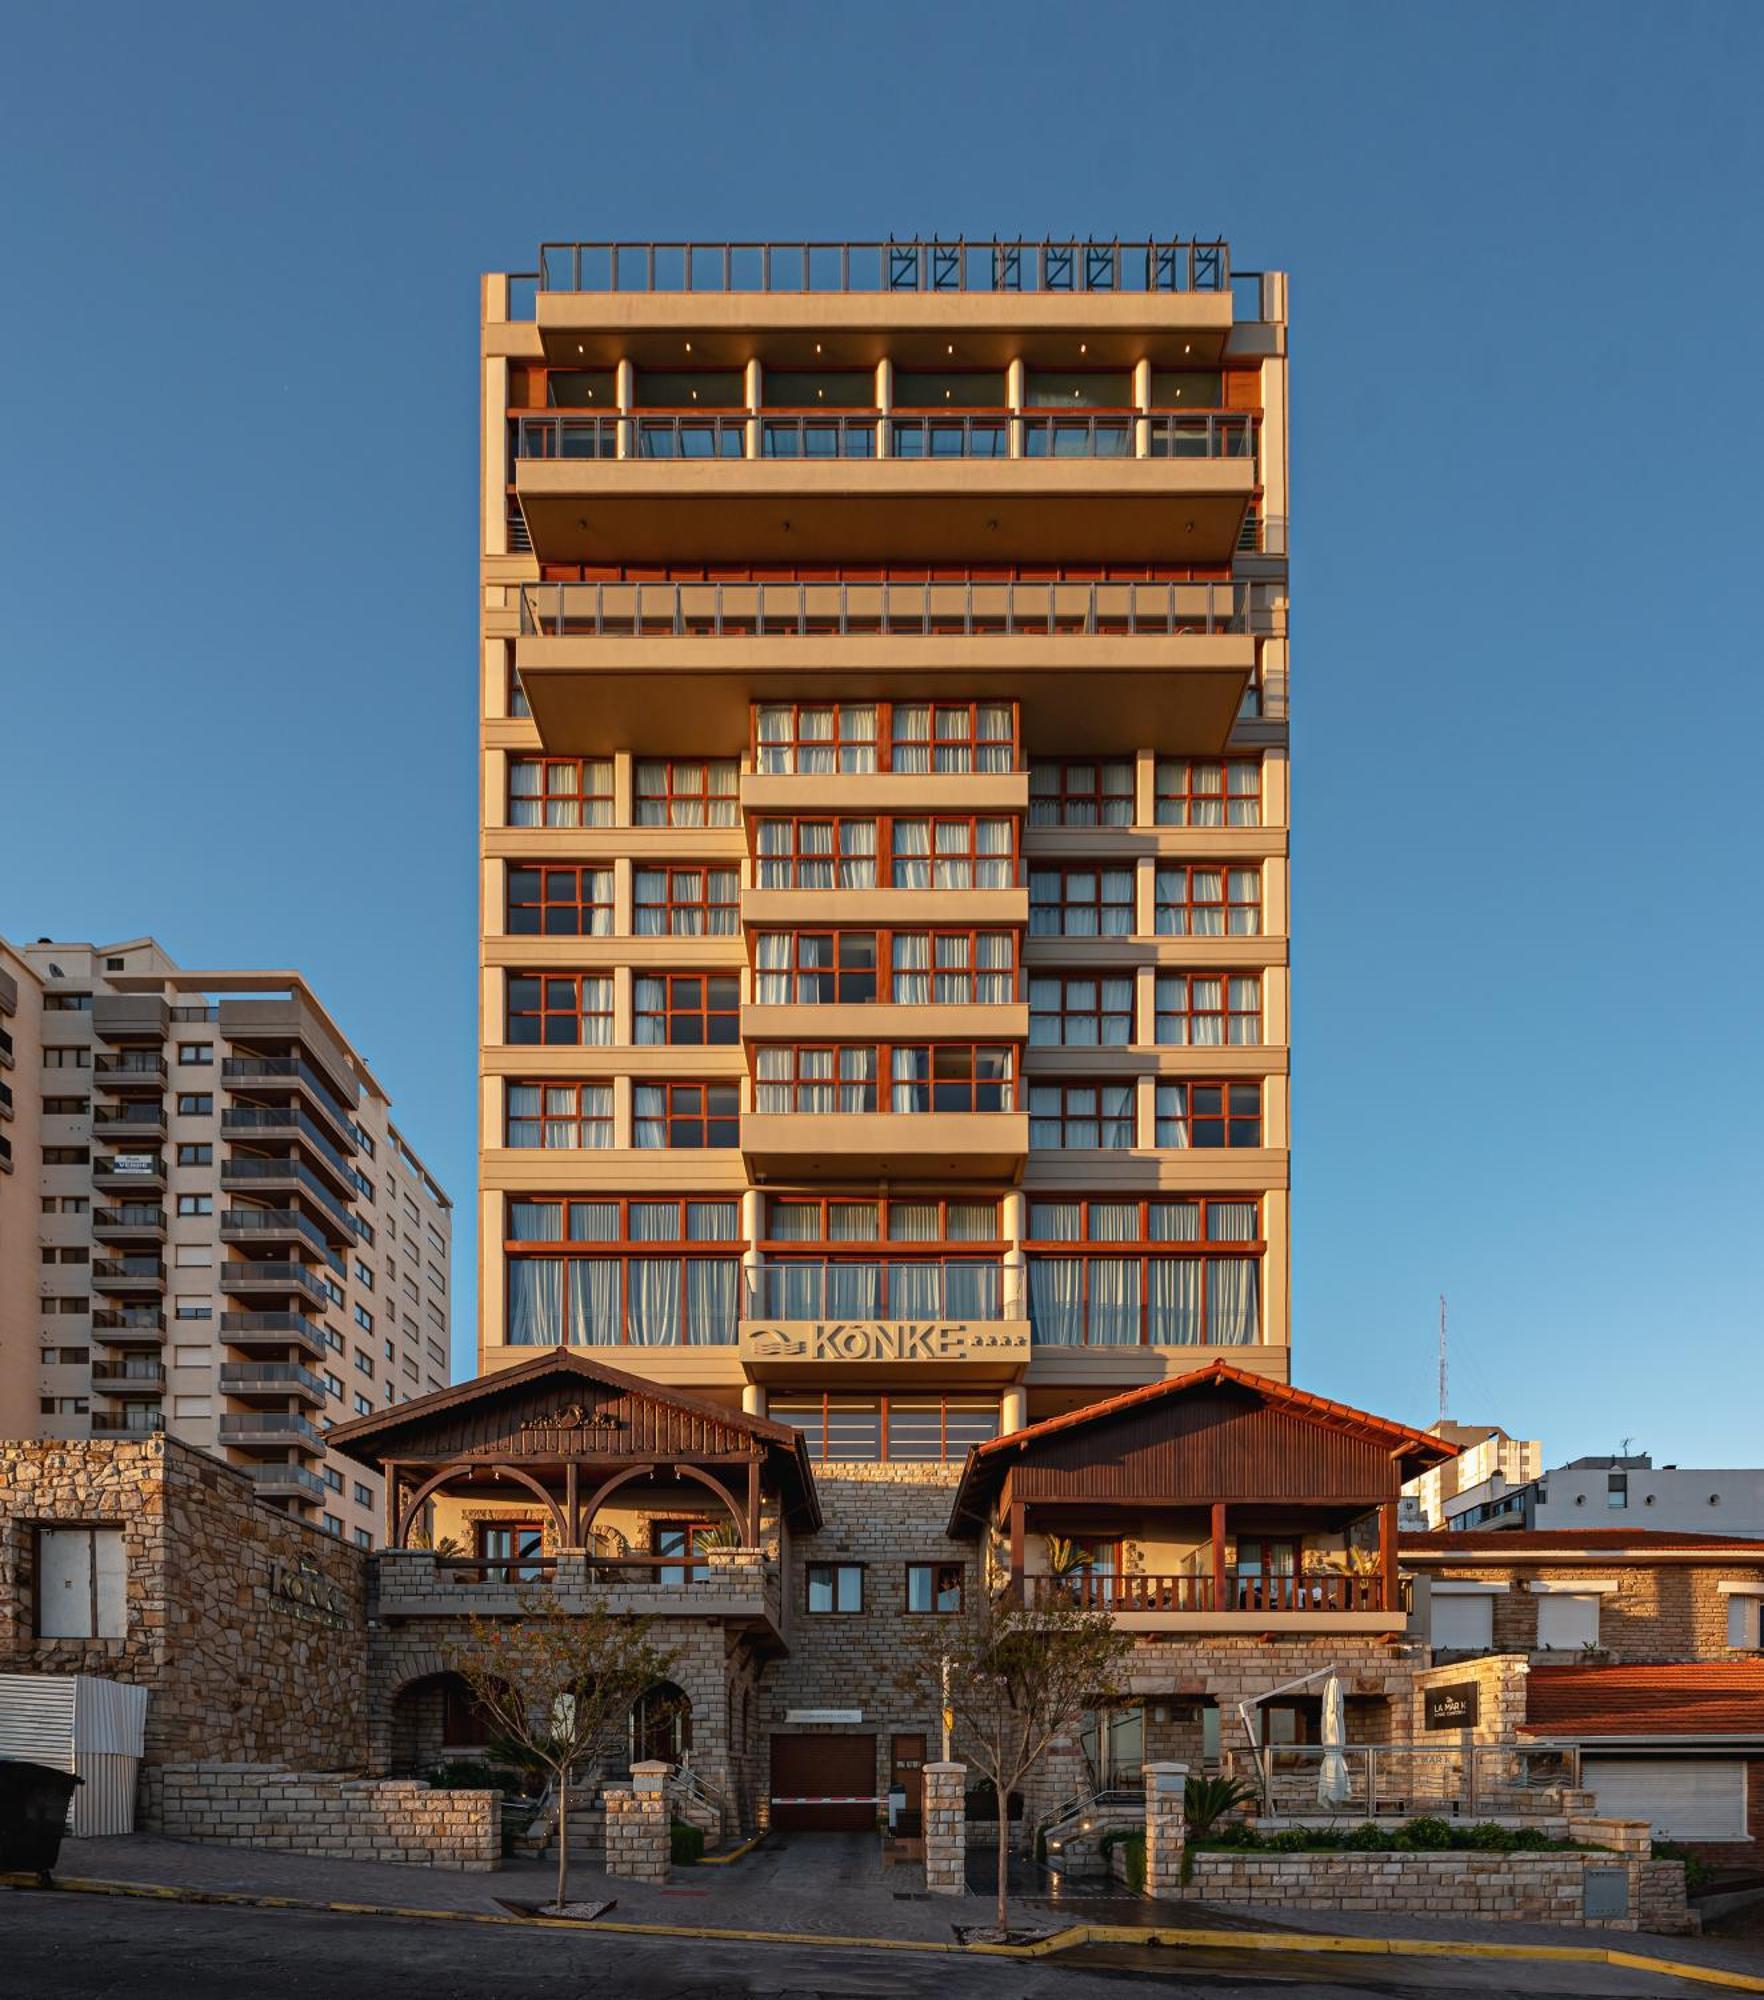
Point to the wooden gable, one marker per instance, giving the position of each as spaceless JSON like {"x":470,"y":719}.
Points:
{"x":571,"y":1417}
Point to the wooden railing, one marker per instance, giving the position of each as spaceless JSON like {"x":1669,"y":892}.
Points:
{"x":1319,"y":1591}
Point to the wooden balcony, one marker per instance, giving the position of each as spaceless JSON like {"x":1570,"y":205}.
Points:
{"x":1240,"y":1601}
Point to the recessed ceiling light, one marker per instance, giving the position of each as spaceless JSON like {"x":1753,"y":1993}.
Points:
{"x":688,"y":347}
{"x":1084,"y":347}
{"x":817,"y":347}
{"x":950,"y":349}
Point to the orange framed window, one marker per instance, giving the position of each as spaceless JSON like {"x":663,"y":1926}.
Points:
{"x":1209,"y":1010}
{"x":686,"y":902}
{"x":942,"y":737}
{"x":1209,"y":1114}
{"x":560,"y":1117}
{"x":559,"y":902}
{"x":686,"y":1009}
{"x":815,"y":1080}
{"x":1209,"y":902}
{"x":1082,"y":792}
{"x":815,"y":853}
{"x":691,"y":1117}
{"x":1081,"y":1010}
{"x":1209,"y":792}
{"x":686,"y":792}
{"x":560,"y":791}
{"x":560,"y":1009}
{"x":815,"y":968}
{"x":1081,"y":901}
{"x":933,"y":1221}
{"x":1081,"y":1115}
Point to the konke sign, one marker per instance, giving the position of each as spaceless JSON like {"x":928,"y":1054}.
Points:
{"x":879,"y":1340}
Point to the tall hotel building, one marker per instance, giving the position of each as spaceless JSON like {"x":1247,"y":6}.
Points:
{"x":884,"y":848}
{"x":209,"y":1224}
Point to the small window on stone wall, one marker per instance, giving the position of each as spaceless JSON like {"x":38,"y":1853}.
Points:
{"x":81,"y":1584}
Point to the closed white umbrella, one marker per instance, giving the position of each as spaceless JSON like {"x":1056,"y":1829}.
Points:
{"x":1332,"y":1772}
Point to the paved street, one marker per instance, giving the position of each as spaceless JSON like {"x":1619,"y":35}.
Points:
{"x":75,"y":1947}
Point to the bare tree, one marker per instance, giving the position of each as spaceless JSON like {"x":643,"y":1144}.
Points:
{"x":1013,"y":1679}
{"x":560,"y":1686}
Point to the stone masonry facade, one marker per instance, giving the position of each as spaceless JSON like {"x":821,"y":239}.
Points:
{"x":1661,"y":1610}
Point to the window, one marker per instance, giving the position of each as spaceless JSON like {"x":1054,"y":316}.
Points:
{"x":953,"y":853}
{"x":950,"y":1076}
{"x":67,"y":1058}
{"x":197,"y":1154}
{"x":952,"y":968}
{"x":1081,"y":1010}
{"x":1209,"y":794}
{"x":822,"y":738}
{"x":1082,"y":794}
{"x":934,"y":1587}
{"x":363,"y":1276}
{"x":518,"y":703}
{"x":564,"y":1117}
{"x":669,"y":793}
{"x":192,"y":1308}
{"x":814,"y":968}
{"x":1209,"y":902}
{"x":196,"y":1053}
{"x":1081,"y":902}
{"x":870,"y":1429}
{"x":74,"y":1107}
{"x":560,"y":791}
{"x":815,"y":738}
{"x":834,"y":1219}
{"x":1164,"y":1272}
{"x":82,"y":1583}
{"x":687,"y":1115}
{"x":1209,"y":1114}
{"x":195,"y":1204}
{"x":648,"y":1273}
{"x":363,"y":1318}
{"x":67,"y":1003}
{"x":1086,"y":1116}
{"x":812,"y":1080}
{"x":835,"y":1587}
{"x":73,"y":1254}
{"x":362,"y":1537}
{"x":192,"y":1256}
{"x":687,"y":1009}
{"x":68,"y":1156}
{"x":195,"y":1104}
{"x":334,"y":1526}
{"x":815,"y":853}
{"x":560,"y":902}
{"x":687,"y":902}
{"x":952,"y":737}
{"x":363,"y":1408}
{"x":560,"y":1008}
{"x":1567,"y":1620}
{"x":1209,"y":1010}
{"x":1461,"y":1623}
{"x":364,"y":1495}
{"x":1617,"y":1489}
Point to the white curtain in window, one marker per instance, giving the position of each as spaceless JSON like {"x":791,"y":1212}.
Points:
{"x":1246,"y":1012}
{"x":857,"y":854}
{"x":653,"y":1302}
{"x":774,"y":738}
{"x":1117,"y":1011}
{"x":814,"y":853}
{"x":1046,"y":1101}
{"x":650,"y":1005}
{"x":973,"y":1222}
{"x":916,"y":1292}
{"x":712,"y":1221}
{"x":1117,"y":899}
{"x":650,"y":898}
{"x":912,"y":1080}
{"x":1047,"y":1023}
{"x":1175,"y":1222}
{"x":1208,"y":1001}
{"x":854,"y":1291}
{"x":596,"y":1001}
{"x":912,"y":963}
{"x":523,"y":786}
{"x":1045,"y":914}
{"x":535,"y":1301}
{"x":1232,"y":1221}
{"x":1116,"y":1105}
{"x":1170,"y":917}
{"x":1113,"y":1221}
{"x":772,"y":1069}
{"x":721,"y":808}
{"x":912,"y":737}
{"x":596,"y":1284}
{"x":814,"y":1080}
{"x":993,"y":958}
{"x":954,"y":984}
{"x":594,"y":1222}
{"x":1246,"y":901}
{"x":1173,"y":1116}
{"x":857,"y":1079}
{"x":1233,"y":1316}
{"x":771,"y":985}
{"x":1114,"y":1301}
{"x":1175,"y":1302}
{"x":649,"y":1125}
{"x":992,"y":844}
{"x":972,"y":1291}
{"x":857,"y":732}
{"x":712,"y":1285}
{"x":773,"y":846}
{"x":535,"y":1221}
{"x":595,"y":1128}
{"x":912,"y":854}
{"x":523,"y":1115}
{"x":722,"y":887}
{"x":913,"y":1222}
{"x":1054,"y":1221}
{"x":1056,"y":1300}
{"x":794,"y":1291}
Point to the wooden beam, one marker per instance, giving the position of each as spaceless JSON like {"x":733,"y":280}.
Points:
{"x":753,"y":1503}
{"x":572,"y":1521}
{"x":1017,"y":1544}
{"x":1387,"y":1552}
{"x":1218,"y":1555}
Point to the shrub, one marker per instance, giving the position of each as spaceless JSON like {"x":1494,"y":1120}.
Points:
{"x":469,"y":1774}
{"x":1237,"y":1833}
{"x":685,"y":1843}
{"x":1426,"y":1835}
{"x":1368,"y":1839}
{"x":1527,"y":1839}
{"x":1697,"y":1872}
{"x":1291,"y":1840}
{"x":1132,"y":1845}
{"x":1487,"y":1838}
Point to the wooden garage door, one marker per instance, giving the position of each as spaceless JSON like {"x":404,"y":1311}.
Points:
{"x":824,"y":1783}
{"x":1685,"y":1798}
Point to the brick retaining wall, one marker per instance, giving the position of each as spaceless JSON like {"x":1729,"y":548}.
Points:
{"x":326,"y":1814}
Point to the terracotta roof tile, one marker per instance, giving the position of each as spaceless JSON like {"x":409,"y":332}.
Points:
{"x":1523,"y":1544}
{"x":1694,"y":1698}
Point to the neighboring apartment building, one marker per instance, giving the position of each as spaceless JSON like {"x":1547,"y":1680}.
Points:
{"x":1488,"y":1459}
{"x":1724,"y":1502}
{"x":208,"y":1222}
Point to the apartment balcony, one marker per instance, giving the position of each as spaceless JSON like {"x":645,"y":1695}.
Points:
{"x":122,"y":1277}
{"x":281,"y":1481}
{"x":130,"y":1017}
{"x":128,"y":1326}
{"x":273,"y":1225}
{"x":133,"y":1222}
{"x":673,"y":667}
{"x":132,"y":1070}
{"x":127,"y":1423}
{"x":896,"y":1146}
{"x":292,"y":1126}
{"x":1242,"y":1602}
{"x":246,"y":1173}
{"x":272,"y":1279}
{"x":723,"y":1584}
{"x":7,"y":1052}
{"x":991,"y":487}
{"x":129,"y":1378}
{"x":133,"y":1124}
{"x":6,"y":1101}
{"x":278,"y":1078}
{"x":271,"y":1430}
{"x":273,"y":1333}
{"x":271,"y":1382}
{"x":126,"y":1173}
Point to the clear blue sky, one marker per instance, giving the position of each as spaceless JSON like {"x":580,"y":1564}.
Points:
{"x":241,"y":248}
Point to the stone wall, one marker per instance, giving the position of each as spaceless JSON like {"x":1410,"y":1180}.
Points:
{"x":326,"y":1814}
{"x":637,"y":1835}
{"x":1500,"y":1681}
{"x":946,"y":1830}
{"x":247,"y":1627}
{"x":1659,"y":1611}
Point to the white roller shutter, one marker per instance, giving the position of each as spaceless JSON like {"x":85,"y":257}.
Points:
{"x":1684,"y":1798}
{"x":1462,"y":1624}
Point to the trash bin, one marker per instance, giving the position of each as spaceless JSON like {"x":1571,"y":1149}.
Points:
{"x":33,"y":1814}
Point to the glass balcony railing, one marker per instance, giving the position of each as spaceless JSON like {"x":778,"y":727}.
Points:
{"x":887,"y":1288}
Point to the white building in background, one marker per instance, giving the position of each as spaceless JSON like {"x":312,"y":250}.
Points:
{"x":1489,"y":1462}
{"x":1619,"y":1492}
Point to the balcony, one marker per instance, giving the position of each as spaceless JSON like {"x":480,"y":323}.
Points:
{"x":273,"y":1332}
{"x":278,"y":1077}
{"x":902,"y":1146}
{"x":273,"y":1225}
{"x":718,"y":1583}
{"x":130,"y":1017}
{"x":129,"y":1326}
{"x":123,"y":1173}
{"x":991,"y":487}
{"x":133,"y":1222}
{"x":271,"y":1430}
{"x":127,"y":1423}
{"x":289,"y":1126}
{"x":133,"y":1124}
{"x":1248,"y":1601}
{"x":124,"y":1275}
{"x":288,"y":1482}
{"x":270,"y":1382}
{"x":241,"y":1279}
{"x":134,"y":1068}
{"x":129,"y":1378}
{"x":247,"y":1174}
{"x":6,"y":1104}
{"x":6,"y":1049}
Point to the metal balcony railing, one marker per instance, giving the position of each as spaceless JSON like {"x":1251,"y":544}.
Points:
{"x":777,"y":610}
{"x":906,"y":264}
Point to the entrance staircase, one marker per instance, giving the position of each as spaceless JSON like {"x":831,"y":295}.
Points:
{"x":1069,"y":1840}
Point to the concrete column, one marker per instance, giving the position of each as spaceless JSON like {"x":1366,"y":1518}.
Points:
{"x":885,"y":403}
{"x":637,"y":1826}
{"x":624,"y":883}
{"x":1014,"y":403}
{"x":624,"y":1133}
{"x":1016,"y":1272}
{"x":1142,"y":401}
{"x":1014,"y":1409}
{"x":1145,"y":788}
{"x":1145,"y":896}
{"x":1145,"y":1113}
{"x":624,"y":390}
{"x":623,"y":1019}
{"x":946,"y":1829}
{"x":624,"y":789}
{"x":1166,"y":1828}
{"x":753,"y":389}
{"x":1145,"y":1005}
{"x":753,"y":1398}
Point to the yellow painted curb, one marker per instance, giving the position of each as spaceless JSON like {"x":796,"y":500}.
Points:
{"x":734,"y":1854}
{"x":1069,"y":1939}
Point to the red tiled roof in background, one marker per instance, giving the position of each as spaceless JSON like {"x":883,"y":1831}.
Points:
{"x":1522,"y":1544}
{"x":1697,"y":1698}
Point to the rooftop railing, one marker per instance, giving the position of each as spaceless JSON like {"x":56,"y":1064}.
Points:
{"x":907,"y":264}
{"x":768,"y":610}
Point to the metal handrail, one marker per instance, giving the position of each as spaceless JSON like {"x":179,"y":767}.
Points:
{"x":904,"y":264}
{"x":778,"y":610}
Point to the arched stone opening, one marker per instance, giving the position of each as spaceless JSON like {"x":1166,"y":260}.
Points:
{"x":660,"y":1725}
{"x":434,"y":1718}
